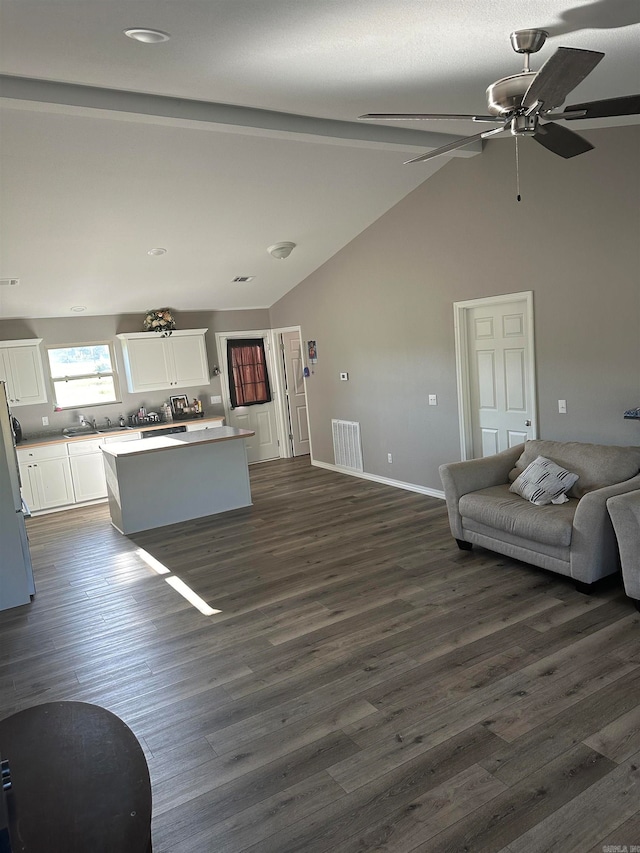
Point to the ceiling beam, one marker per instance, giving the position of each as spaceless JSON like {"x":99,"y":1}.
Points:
{"x":26,"y":92}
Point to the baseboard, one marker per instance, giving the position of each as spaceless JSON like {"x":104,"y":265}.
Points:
{"x":386,"y":481}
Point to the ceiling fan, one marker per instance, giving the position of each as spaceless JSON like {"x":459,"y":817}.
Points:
{"x":523,"y":104}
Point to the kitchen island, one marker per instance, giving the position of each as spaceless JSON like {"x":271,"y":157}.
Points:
{"x":153,"y":482}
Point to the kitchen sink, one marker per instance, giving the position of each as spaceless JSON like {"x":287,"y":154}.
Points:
{"x":74,"y":432}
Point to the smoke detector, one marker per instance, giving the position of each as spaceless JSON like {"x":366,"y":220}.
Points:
{"x":281,"y":250}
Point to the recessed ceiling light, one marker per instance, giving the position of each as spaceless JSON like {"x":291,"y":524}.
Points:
{"x":146,"y":36}
{"x":158,"y":251}
{"x":78,"y":309}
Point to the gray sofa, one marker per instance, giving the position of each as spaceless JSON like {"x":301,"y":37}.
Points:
{"x":575,"y":539}
{"x":625,"y":515}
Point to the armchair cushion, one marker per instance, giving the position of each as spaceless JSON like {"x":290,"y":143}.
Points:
{"x":497,"y":507}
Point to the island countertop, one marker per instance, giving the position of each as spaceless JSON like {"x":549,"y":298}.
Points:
{"x":152,"y":482}
{"x":175,"y":441}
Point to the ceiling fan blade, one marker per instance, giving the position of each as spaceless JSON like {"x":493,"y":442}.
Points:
{"x":458,"y":143}
{"x":628,"y":105}
{"x":560,"y":75}
{"x":427,"y":117}
{"x":561,"y":141}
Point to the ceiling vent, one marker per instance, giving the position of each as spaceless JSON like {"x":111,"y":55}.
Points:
{"x":242,"y":278}
{"x":9,"y":282}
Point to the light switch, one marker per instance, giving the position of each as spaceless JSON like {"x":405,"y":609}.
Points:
{"x":433,"y":399}
{"x":215,"y":399}
{"x":45,"y":420}
{"x":562,"y":407}
{"x":344,"y":377}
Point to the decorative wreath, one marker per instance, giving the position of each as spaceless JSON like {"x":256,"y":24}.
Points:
{"x":160,"y":320}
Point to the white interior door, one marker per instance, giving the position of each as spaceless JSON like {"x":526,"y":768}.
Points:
{"x":296,"y":398}
{"x":260,"y":418}
{"x":498,"y":382}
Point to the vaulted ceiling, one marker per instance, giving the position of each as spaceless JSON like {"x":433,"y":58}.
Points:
{"x":240,"y":132}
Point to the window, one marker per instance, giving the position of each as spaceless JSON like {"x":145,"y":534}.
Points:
{"x":248,"y":379}
{"x":83,"y":375}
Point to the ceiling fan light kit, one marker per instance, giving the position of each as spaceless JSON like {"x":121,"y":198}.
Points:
{"x":523,"y":104}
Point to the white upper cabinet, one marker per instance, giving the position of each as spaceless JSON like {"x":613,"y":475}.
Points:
{"x":154,"y":363}
{"x":21,"y":369}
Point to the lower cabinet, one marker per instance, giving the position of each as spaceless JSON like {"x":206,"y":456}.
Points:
{"x":87,"y":466}
{"x":60,"y":475}
{"x":200,"y":425}
{"x":45,"y":473}
{"x":87,"y":470}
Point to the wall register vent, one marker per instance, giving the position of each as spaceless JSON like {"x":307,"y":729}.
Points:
{"x":347,"y":447}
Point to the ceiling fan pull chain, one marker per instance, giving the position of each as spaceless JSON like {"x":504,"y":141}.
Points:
{"x":518,"y":196}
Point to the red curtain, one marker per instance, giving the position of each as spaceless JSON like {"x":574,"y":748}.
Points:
{"x":248,"y":378}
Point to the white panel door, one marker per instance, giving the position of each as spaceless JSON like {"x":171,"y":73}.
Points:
{"x":260,"y":418}
{"x":500,"y":387}
{"x":296,"y":397}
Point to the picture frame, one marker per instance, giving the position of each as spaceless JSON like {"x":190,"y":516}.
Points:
{"x":179,"y":403}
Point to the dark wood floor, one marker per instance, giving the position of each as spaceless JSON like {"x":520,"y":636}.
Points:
{"x":364,"y":687}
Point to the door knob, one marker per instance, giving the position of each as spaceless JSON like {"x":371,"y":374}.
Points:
{"x":527,"y":423}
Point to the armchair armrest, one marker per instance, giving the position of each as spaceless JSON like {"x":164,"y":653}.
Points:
{"x":594,"y":551}
{"x":460,"y":478}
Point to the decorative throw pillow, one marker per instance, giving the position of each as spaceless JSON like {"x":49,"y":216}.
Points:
{"x":543,"y":482}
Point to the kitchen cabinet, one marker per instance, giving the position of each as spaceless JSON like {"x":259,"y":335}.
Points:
{"x":21,"y":368}
{"x":45,"y":473}
{"x":196,"y":426}
{"x":87,"y":466}
{"x":87,"y":470}
{"x":156,"y":363}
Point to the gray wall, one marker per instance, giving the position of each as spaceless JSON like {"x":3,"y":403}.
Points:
{"x":381,"y":308}
{"x":79,"y":330}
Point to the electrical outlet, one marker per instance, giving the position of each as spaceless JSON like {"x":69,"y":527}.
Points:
{"x":433,"y":400}
{"x":389,"y":458}
{"x":562,"y":407}
{"x":216,"y":398}
{"x":45,"y":420}
{"x":344,"y":377}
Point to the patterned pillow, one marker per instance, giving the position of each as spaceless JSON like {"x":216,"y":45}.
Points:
{"x":543,"y":482}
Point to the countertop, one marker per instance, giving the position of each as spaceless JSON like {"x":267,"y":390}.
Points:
{"x":179,"y":440}
{"x":59,"y":438}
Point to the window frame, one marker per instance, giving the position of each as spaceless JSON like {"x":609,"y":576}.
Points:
{"x":258,"y":344}
{"x":113,"y":373}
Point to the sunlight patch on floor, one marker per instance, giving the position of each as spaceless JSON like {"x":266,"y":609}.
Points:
{"x":176,"y":583}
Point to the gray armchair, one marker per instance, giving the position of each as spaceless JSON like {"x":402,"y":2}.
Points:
{"x":625,"y":515}
{"x":575,"y":539}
